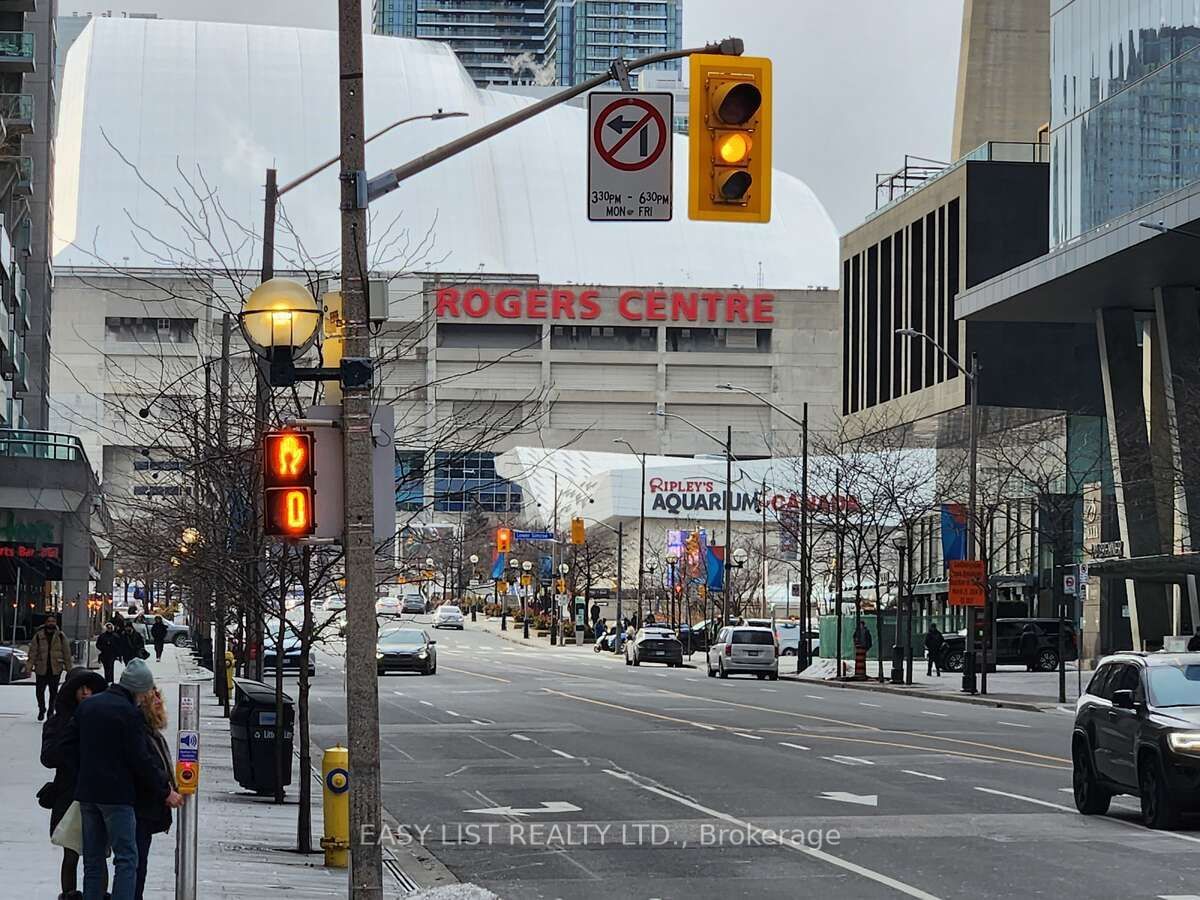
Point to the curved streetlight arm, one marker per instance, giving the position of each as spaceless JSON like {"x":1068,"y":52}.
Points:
{"x":913,"y":333}
{"x":707,"y":434}
{"x":433,"y":117}
{"x":761,"y":399}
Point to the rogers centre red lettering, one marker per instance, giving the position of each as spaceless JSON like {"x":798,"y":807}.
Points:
{"x":650,"y":305}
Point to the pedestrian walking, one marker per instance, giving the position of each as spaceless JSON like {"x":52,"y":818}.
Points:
{"x":158,"y":634}
{"x":59,"y":794}
{"x":934,"y":641}
{"x":49,"y":657}
{"x":133,"y":644}
{"x":108,"y":645}
{"x":153,"y":815}
{"x":1027,"y":646}
{"x":117,"y":770}
{"x":862,"y":635}
{"x":595,"y":613}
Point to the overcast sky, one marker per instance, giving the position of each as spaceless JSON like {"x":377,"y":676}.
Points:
{"x":858,"y":83}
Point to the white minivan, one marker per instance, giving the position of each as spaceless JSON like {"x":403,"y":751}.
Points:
{"x":744,"y":648}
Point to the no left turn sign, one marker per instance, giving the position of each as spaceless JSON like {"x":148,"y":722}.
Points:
{"x":629,"y":157}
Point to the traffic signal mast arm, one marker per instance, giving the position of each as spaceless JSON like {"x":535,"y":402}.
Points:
{"x":390,"y":180}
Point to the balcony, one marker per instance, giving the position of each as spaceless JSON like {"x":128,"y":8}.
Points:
{"x":22,"y":167}
{"x":16,"y":112}
{"x":40,"y":445}
{"x":16,"y":51}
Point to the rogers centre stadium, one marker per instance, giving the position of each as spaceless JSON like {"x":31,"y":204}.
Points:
{"x":504,"y":302}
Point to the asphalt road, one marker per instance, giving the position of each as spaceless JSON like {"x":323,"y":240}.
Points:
{"x":563,"y":773}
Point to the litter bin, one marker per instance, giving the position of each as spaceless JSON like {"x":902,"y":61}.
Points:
{"x":252,"y":736}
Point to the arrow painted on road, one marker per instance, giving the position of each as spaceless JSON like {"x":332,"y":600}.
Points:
{"x":843,"y":797}
{"x":555,"y":806}
{"x":620,"y":124}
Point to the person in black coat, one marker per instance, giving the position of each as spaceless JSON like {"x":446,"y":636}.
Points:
{"x":153,"y":815}
{"x":81,"y":684}
{"x":134,"y":644}
{"x":1194,"y":644}
{"x":1027,"y":646}
{"x":158,"y":633}
{"x":108,"y":645}
{"x":934,"y":641}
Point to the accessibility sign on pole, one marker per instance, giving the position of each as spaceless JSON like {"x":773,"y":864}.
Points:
{"x":629,"y":156}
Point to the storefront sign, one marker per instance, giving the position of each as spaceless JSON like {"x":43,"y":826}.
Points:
{"x":704,"y":495}
{"x":633,"y":305}
{"x":9,"y":550}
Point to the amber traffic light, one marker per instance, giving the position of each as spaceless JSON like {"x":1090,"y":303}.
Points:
{"x":730,"y":138}
{"x":503,"y":540}
{"x":288,"y":484}
{"x":578,"y":532}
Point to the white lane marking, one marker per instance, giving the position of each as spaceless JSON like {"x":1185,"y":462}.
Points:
{"x":451,"y":712}
{"x":752,"y":737}
{"x":564,"y":754}
{"x":923,"y":775}
{"x":398,"y":693}
{"x":813,"y":697}
{"x":521,"y":737}
{"x":876,"y":705}
{"x":552,"y":806}
{"x":849,"y":760}
{"x":660,"y":674}
{"x":926,"y":712}
{"x":829,"y":858}
{"x":845,"y":797}
{"x":426,"y":703}
{"x":480,"y":722}
{"x":769,"y":690}
{"x":1179,"y":897}
{"x":1014,"y":724}
{"x":1033,"y":800}
{"x":793,"y":746}
{"x":705,"y":727}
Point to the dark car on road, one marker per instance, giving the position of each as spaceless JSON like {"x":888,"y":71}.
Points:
{"x":652,"y":644}
{"x":406,"y":650}
{"x":413,"y":604}
{"x":14,"y":665}
{"x":1137,"y":731}
{"x":1008,"y":645}
{"x":291,"y":654}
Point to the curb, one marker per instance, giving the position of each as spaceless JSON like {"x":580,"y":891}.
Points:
{"x":926,"y":695}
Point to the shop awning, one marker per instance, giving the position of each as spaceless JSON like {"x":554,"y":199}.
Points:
{"x":1172,"y":568}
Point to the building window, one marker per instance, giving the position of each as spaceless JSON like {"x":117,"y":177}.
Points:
{"x":160,"y":465}
{"x":156,"y":330}
{"x":603,"y":337}
{"x":410,"y":480}
{"x":498,"y":337}
{"x":719,"y":340}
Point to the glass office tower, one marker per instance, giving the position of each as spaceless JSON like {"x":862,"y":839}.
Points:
{"x":537,"y":41}
{"x":1125,"y":107}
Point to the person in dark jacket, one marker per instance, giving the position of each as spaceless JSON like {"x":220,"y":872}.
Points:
{"x":862,"y":635}
{"x":108,"y":645}
{"x":1194,"y":644}
{"x":133,"y":644}
{"x":153,"y":816}
{"x":81,"y":684}
{"x":117,"y":769}
{"x":49,"y":658}
{"x":1027,"y":646}
{"x":934,"y":641}
{"x":158,"y":633}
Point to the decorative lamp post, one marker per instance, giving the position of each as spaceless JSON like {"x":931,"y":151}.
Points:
{"x":900,"y":542}
{"x":739,"y":562}
{"x":279,"y":321}
{"x":526,"y":568}
{"x":474,"y":580}
{"x":651,"y":571}
{"x":673,"y":587}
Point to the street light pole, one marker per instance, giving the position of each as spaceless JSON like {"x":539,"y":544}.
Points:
{"x":728,"y":522}
{"x":641,"y":525}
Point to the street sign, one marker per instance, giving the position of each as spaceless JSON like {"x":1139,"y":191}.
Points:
{"x":1069,"y":584}
{"x":629,"y":156}
{"x":520,"y":536}
{"x":968,"y":583}
{"x":189,"y":747}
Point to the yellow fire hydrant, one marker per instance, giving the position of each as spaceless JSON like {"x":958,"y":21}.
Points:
{"x":336,"y":777}
{"x":229,"y":663}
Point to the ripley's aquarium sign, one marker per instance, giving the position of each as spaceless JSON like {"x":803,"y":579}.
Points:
{"x":705,"y":495}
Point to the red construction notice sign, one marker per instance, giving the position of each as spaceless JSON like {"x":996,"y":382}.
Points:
{"x":968,"y":583}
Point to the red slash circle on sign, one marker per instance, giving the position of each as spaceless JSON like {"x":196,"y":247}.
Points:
{"x":628,"y":130}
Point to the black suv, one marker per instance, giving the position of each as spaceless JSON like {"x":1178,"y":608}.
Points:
{"x":1008,"y":645}
{"x":1137,"y":731}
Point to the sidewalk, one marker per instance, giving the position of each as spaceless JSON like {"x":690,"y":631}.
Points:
{"x":1009,"y":687}
{"x":243,"y":839}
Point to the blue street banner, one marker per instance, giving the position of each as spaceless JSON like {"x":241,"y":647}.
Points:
{"x":954,"y":532}
{"x":498,"y":566}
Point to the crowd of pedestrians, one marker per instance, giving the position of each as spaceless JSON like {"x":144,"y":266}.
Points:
{"x":113,"y":787}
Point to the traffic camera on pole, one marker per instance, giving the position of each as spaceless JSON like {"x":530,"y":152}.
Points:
{"x":289,"y":484}
{"x":730,"y":138}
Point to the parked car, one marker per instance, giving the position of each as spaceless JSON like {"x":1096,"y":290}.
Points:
{"x":652,"y":644}
{"x":387,"y":606}
{"x":178,"y":635}
{"x":1137,"y":731}
{"x":744,"y":648}
{"x":14,"y":665}
{"x":291,"y":654}
{"x":1008,"y":645}
{"x":406,"y":650}
{"x":413,"y":603}
{"x":448,"y":616}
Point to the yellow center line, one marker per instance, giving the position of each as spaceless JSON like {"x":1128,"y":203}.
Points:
{"x":816,"y":736}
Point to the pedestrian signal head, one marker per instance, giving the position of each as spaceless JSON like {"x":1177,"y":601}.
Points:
{"x":289,"y":484}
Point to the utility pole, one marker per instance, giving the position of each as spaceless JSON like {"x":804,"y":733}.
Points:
{"x":362,"y":693}
{"x":803,"y":659}
{"x":223,"y":450}
{"x":728,"y":561}
{"x":968,"y":677}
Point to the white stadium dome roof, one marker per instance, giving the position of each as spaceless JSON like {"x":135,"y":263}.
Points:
{"x":222,"y":103}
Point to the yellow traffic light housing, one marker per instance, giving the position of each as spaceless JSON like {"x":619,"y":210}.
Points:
{"x":578,"y":532}
{"x":729,"y":175}
{"x":503,"y":540}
